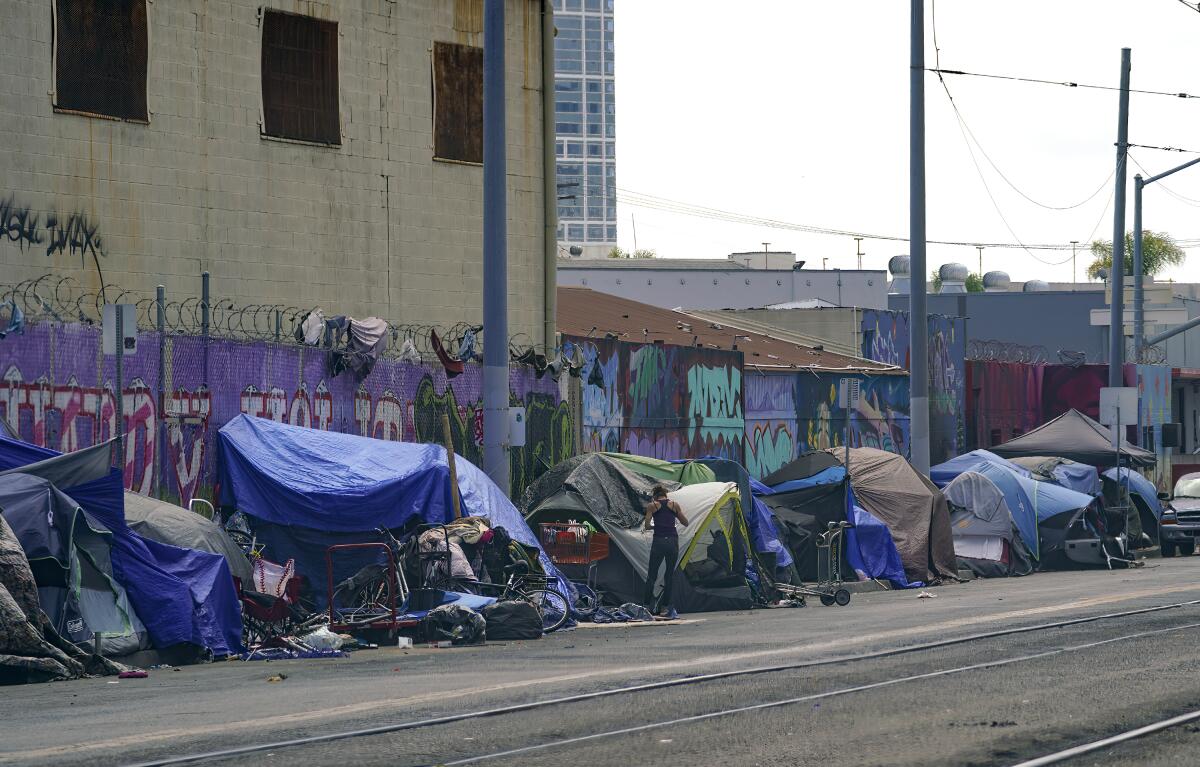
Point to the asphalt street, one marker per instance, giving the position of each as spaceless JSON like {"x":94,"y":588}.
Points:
{"x":991,"y":701}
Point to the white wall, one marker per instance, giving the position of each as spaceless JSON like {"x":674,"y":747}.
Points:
{"x":374,"y":226}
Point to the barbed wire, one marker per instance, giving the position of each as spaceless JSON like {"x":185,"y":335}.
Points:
{"x":1006,"y":351}
{"x":52,"y":298}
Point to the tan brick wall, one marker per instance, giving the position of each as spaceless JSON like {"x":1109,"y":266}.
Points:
{"x":374,"y":226}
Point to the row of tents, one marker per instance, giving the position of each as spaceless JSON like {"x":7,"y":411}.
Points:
{"x":143,"y":575}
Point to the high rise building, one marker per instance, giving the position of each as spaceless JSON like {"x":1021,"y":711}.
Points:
{"x":585,"y":125}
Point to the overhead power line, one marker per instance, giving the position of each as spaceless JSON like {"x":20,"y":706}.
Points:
{"x":1065,"y":83}
{"x":641,"y":200}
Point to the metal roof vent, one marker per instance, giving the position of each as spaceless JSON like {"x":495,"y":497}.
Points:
{"x":996,"y":282}
{"x":1036,"y":286}
{"x":954,"y":278}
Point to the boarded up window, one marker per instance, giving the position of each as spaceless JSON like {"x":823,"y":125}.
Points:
{"x":457,"y":102}
{"x":100,"y":57}
{"x":300,"y":78}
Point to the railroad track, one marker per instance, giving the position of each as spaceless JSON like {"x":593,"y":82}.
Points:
{"x":398,"y":727}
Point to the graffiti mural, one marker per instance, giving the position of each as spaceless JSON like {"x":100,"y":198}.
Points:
{"x":1154,"y":399}
{"x":885,"y":338}
{"x":662,"y":401}
{"x":880,"y":421}
{"x":770,"y":422}
{"x":57,"y":391}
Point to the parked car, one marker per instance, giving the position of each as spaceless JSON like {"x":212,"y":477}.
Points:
{"x":1180,"y":524}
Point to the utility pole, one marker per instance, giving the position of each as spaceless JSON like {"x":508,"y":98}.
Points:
{"x":495,"y":251}
{"x":1139,"y":330}
{"x":858,"y":251}
{"x":918,"y":315}
{"x":980,"y":249}
{"x":1116,"y":282}
{"x":1074,"y":244}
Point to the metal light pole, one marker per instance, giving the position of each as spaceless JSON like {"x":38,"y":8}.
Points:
{"x":1074,"y":244}
{"x":1139,"y":319}
{"x":1116,"y":283}
{"x":495,"y":253}
{"x":918,"y":320}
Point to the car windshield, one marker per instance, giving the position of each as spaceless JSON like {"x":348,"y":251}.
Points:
{"x":1188,"y":487}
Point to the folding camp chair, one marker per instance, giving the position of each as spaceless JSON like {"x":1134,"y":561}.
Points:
{"x":270,"y":604}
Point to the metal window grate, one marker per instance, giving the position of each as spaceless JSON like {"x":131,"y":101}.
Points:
{"x":100,"y":57}
{"x":457,"y":102}
{"x":300,"y":78}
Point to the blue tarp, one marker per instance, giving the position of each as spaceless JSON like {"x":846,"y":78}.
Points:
{"x":1140,"y":486}
{"x":871,"y":551}
{"x":181,"y":595}
{"x":316,"y":488}
{"x":944,"y":473}
{"x":830,"y":476}
{"x":1078,"y":477}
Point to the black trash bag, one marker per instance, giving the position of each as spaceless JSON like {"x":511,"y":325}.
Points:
{"x":514,"y":619}
{"x":461,"y":625}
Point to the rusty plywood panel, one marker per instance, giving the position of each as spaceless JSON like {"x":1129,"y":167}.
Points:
{"x":457,"y":102}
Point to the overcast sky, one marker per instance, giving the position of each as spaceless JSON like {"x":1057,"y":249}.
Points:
{"x":797,"y":110}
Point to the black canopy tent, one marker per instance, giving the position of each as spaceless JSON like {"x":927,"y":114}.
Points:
{"x":1078,"y":438}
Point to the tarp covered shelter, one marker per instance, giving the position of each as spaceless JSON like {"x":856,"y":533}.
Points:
{"x":167,"y":523}
{"x":183,"y":596}
{"x":307,"y":489}
{"x":1072,"y":475}
{"x":1075,"y":436}
{"x":70,"y":555}
{"x":914,"y":510}
{"x":611,"y":495}
{"x":944,"y":473}
{"x":805,"y":504}
{"x":1143,"y":495}
{"x":986,"y":538}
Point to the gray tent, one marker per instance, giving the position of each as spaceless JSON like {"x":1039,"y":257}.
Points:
{"x":1075,"y":436}
{"x":167,"y":523}
{"x":69,"y":554}
{"x":30,"y":649}
{"x":913,"y":509}
{"x":986,"y":539}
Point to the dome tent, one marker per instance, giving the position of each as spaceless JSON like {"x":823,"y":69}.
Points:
{"x":986,"y":538}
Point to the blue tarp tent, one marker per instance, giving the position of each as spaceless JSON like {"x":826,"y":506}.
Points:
{"x":181,"y":595}
{"x":1138,"y":486}
{"x":308,"y":489}
{"x":944,"y":473}
{"x":802,"y":502}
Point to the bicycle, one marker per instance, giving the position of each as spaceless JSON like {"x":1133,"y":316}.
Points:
{"x":537,"y":591}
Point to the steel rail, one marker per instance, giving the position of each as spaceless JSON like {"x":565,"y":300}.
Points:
{"x":668,"y":683}
{"x":1096,"y":745}
{"x":807,"y":698}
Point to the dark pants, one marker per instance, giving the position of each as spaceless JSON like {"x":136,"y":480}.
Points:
{"x":663,"y":551}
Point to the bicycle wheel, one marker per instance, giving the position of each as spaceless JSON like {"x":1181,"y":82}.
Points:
{"x":552,"y":605}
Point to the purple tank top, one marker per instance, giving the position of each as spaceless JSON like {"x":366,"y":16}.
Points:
{"x":664,"y":521}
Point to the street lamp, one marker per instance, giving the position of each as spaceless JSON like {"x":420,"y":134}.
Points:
{"x":1138,"y":316}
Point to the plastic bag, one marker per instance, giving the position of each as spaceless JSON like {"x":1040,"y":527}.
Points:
{"x":322,"y":639}
{"x":636,"y":612}
{"x":461,"y":625}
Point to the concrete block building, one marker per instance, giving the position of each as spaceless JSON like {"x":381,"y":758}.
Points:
{"x":304,"y":152}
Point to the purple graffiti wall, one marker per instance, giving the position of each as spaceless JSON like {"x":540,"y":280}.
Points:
{"x":57,"y":391}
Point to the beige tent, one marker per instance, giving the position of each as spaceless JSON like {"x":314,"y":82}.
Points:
{"x":914,"y":510}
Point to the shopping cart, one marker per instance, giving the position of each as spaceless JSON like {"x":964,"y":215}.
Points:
{"x":829,"y":586}
{"x":573,"y":548}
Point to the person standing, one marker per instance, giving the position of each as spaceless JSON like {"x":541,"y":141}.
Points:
{"x":661,"y":515}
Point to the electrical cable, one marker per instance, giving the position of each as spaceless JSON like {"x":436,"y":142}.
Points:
{"x":1065,"y":83}
{"x":642,"y":200}
{"x":937,"y":53}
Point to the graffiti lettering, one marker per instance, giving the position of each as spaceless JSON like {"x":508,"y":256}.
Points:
{"x":18,"y":224}
{"x":768,"y":449}
{"x":73,"y":235}
{"x":714,"y":400}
